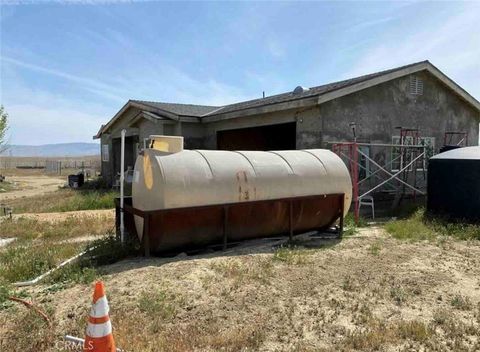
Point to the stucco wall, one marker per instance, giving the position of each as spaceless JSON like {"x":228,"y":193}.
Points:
{"x":378,"y":110}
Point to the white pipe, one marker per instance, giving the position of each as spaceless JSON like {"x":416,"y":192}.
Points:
{"x":37,"y":279}
{"x":122,"y":182}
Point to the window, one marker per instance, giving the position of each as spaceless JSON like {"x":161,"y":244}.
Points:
{"x":399,"y":161}
{"x":416,"y":85}
{"x":105,"y":155}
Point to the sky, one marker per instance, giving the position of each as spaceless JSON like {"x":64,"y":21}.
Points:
{"x":66,"y":67}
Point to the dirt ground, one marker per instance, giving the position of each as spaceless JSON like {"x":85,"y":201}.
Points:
{"x":32,"y":185}
{"x":366,"y":292}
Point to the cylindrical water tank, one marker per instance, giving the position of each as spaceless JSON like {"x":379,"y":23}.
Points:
{"x":453,"y":189}
{"x":193,"y":178}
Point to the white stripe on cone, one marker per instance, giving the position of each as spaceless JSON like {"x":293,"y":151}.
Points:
{"x":99,"y":330}
{"x":100,"y":308}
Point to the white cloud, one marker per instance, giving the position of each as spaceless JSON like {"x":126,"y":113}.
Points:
{"x":86,"y":83}
{"x":40,"y":117}
{"x":367,"y":24}
{"x":451,"y":43}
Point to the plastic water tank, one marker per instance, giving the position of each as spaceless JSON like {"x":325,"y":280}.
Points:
{"x":191,"y":178}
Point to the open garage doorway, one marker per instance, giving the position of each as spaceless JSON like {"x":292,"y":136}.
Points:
{"x":271,"y":137}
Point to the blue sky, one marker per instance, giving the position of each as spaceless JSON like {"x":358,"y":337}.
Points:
{"x":69,"y":66}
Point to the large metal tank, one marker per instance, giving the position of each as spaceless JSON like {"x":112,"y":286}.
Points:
{"x":453,"y":190}
{"x":250,"y":182}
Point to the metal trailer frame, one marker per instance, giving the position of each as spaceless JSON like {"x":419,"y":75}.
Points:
{"x":398,"y":179}
{"x":148,"y":215}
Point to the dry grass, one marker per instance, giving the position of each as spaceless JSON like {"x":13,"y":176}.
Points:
{"x":41,"y":245}
{"x":64,"y":200}
{"x":6,"y":186}
{"x":418,"y":227}
{"x":363,"y":294}
{"x":24,"y":228}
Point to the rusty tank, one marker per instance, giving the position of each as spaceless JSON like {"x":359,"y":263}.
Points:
{"x":190,"y":198}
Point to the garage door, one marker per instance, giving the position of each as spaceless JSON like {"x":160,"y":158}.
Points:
{"x":271,"y":137}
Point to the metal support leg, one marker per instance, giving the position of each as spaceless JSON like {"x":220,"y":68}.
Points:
{"x":225,"y":227}
{"x":290,"y":222}
{"x":340,"y":224}
{"x":146,"y":236}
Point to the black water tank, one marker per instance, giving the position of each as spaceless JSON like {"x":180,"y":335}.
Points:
{"x":454,"y":184}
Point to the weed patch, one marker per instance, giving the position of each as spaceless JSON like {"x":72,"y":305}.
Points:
{"x":418,"y":227}
{"x":461,"y":302}
{"x":157,"y":304}
{"x":24,"y":228}
{"x":65,"y":200}
{"x":292,"y":255}
{"x":25,"y":262}
{"x":350,"y":227}
{"x":375,"y":248}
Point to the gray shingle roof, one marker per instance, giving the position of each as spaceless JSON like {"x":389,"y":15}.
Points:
{"x":180,"y":109}
{"x":314,"y":91}
{"x":206,"y":110}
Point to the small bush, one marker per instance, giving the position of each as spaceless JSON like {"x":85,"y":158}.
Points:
{"x":398,"y":294}
{"x":413,"y":330}
{"x":461,"y":302}
{"x":348,"y":284}
{"x":349,"y":225}
{"x":375,"y":248}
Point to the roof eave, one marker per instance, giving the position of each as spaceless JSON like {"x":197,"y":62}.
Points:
{"x":422,"y":66}
{"x":146,"y":108}
{"x":263,"y":109}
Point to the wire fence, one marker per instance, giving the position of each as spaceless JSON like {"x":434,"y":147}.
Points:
{"x":50,"y":165}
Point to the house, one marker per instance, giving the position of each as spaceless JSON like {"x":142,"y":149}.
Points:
{"x":417,"y":96}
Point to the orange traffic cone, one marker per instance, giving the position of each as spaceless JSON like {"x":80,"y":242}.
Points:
{"x":99,"y":329}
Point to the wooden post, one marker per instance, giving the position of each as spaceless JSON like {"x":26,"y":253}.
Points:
{"x":225,"y":227}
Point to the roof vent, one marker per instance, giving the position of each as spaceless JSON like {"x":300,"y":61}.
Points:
{"x":300,"y":90}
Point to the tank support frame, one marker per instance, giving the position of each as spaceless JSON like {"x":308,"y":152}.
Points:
{"x":226,"y":209}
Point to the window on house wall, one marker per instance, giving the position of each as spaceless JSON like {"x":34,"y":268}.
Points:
{"x":416,"y":85}
{"x":105,"y":156}
{"x":399,"y":160}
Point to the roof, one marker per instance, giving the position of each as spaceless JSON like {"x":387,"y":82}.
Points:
{"x":460,"y":153}
{"x":306,"y":97}
{"x":179,"y":109}
{"x":313,"y":91}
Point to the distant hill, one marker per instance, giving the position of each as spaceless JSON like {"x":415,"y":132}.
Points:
{"x":56,"y":150}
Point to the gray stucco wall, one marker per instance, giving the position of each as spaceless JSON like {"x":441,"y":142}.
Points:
{"x":378,"y":110}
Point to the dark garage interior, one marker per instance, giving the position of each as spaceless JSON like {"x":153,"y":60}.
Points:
{"x":271,"y":137}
